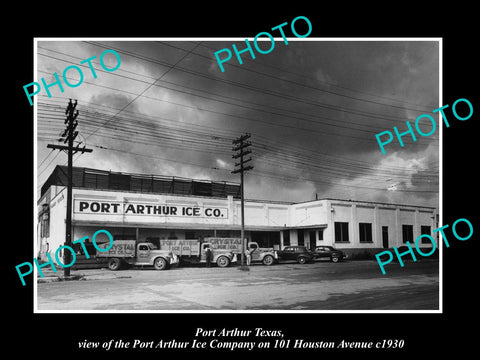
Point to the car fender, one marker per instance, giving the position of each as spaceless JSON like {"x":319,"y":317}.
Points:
{"x":156,"y":256}
{"x":270,"y":253}
{"x":159,"y":253}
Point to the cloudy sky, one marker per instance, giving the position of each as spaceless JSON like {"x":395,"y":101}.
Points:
{"x":312,"y":107}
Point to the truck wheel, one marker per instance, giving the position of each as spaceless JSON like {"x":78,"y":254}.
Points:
{"x":268,"y":260}
{"x":223,"y":261}
{"x":302,"y":260}
{"x":114,"y":264}
{"x":160,"y":263}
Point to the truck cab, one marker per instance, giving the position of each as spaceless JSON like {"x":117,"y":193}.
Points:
{"x":267,"y":256}
{"x":148,"y":254}
{"x":221,"y":257}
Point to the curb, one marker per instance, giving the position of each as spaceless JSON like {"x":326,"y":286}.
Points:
{"x":49,"y":279}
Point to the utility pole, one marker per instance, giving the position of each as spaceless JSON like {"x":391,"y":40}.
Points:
{"x":241,"y":147}
{"x":69,"y":136}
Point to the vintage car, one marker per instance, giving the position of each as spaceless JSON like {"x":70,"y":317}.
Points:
{"x":329,"y":252}
{"x":298,"y":253}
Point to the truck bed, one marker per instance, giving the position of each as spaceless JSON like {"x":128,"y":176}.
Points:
{"x":181,"y":247}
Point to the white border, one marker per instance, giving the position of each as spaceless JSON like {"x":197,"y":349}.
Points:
{"x":372,"y":39}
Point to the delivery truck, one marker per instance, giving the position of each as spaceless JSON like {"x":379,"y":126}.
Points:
{"x":193,"y":250}
{"x":225,"y":250}
{"x":267,"y":256}
{"x":132,"y":252}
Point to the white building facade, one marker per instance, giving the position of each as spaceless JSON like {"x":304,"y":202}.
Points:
{"x":205,"y":209}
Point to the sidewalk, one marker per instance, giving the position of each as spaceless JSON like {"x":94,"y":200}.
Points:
{"x":82,"y":274}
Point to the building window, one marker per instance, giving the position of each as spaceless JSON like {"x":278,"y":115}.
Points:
{"x":341,"y":232}
{"x":365,"y":232}
{"x":407,"y":233}
{"x":45,"y":226}
{"x":286,"y":237}
{"x":44,"y":219}
{"x":385,"y":237}
{"x":320,"y":234}
{"x":425,"y":230}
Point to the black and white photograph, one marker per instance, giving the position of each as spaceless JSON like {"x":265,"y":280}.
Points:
{"x":173,"y":140}
{"x":244,"y":183}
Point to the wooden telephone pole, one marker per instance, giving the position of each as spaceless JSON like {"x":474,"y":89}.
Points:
{"x":242,"y":150}
{"x":69,"y":136}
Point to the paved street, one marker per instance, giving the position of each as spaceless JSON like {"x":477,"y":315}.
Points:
{"x":351,"y":285}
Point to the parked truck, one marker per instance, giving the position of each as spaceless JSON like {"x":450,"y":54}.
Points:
{"x":267,"y":256}
{"x":193,"y":250}
{"x":132,"y":252}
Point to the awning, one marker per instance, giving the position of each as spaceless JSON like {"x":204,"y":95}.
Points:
{"x":319,"y":226}
{"x":188,"y":226}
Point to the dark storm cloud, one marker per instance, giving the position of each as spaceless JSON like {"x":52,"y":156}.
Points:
{"x":313,"y":109}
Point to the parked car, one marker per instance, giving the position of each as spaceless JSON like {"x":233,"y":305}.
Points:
{"x":300,"y":254}
{"x":329,"y":252}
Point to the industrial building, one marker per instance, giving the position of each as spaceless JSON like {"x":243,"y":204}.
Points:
{"x":154,"y":208}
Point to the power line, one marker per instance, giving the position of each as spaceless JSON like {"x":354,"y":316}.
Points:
{"x":248,"y":87}
{"x":282,"y":70}
{"x":182,"y":133}
{"x":277,"y":146}
{"x":309,"y":166}
{"x":243,"y":101}
{"x":267,"y":174}
{"x":148,"y":87}
{"x":263,"y":121}
{"x":300,"y":84}
{"x":295,"y":156}
{"x":169,"y":68}
{"x":288,"y":71}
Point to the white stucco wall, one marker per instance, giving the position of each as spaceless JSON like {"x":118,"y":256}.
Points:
{"x":120,"y":212}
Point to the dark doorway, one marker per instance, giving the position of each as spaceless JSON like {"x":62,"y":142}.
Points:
{"x":267,"y":239}
{"x":313,"y":239}
{"x":385,"y":236}
{"x":301,"y":238}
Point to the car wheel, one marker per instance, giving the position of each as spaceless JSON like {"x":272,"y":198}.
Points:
{"x":223,"y":261}
{"x":268,"y":260}
{"x":302,"y":260}
{"x":335,"y":259}
{"x":160,"y":263}
{"x":114,"y":264}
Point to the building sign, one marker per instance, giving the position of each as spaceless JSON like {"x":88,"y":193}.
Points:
{"x":162,"y":210}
